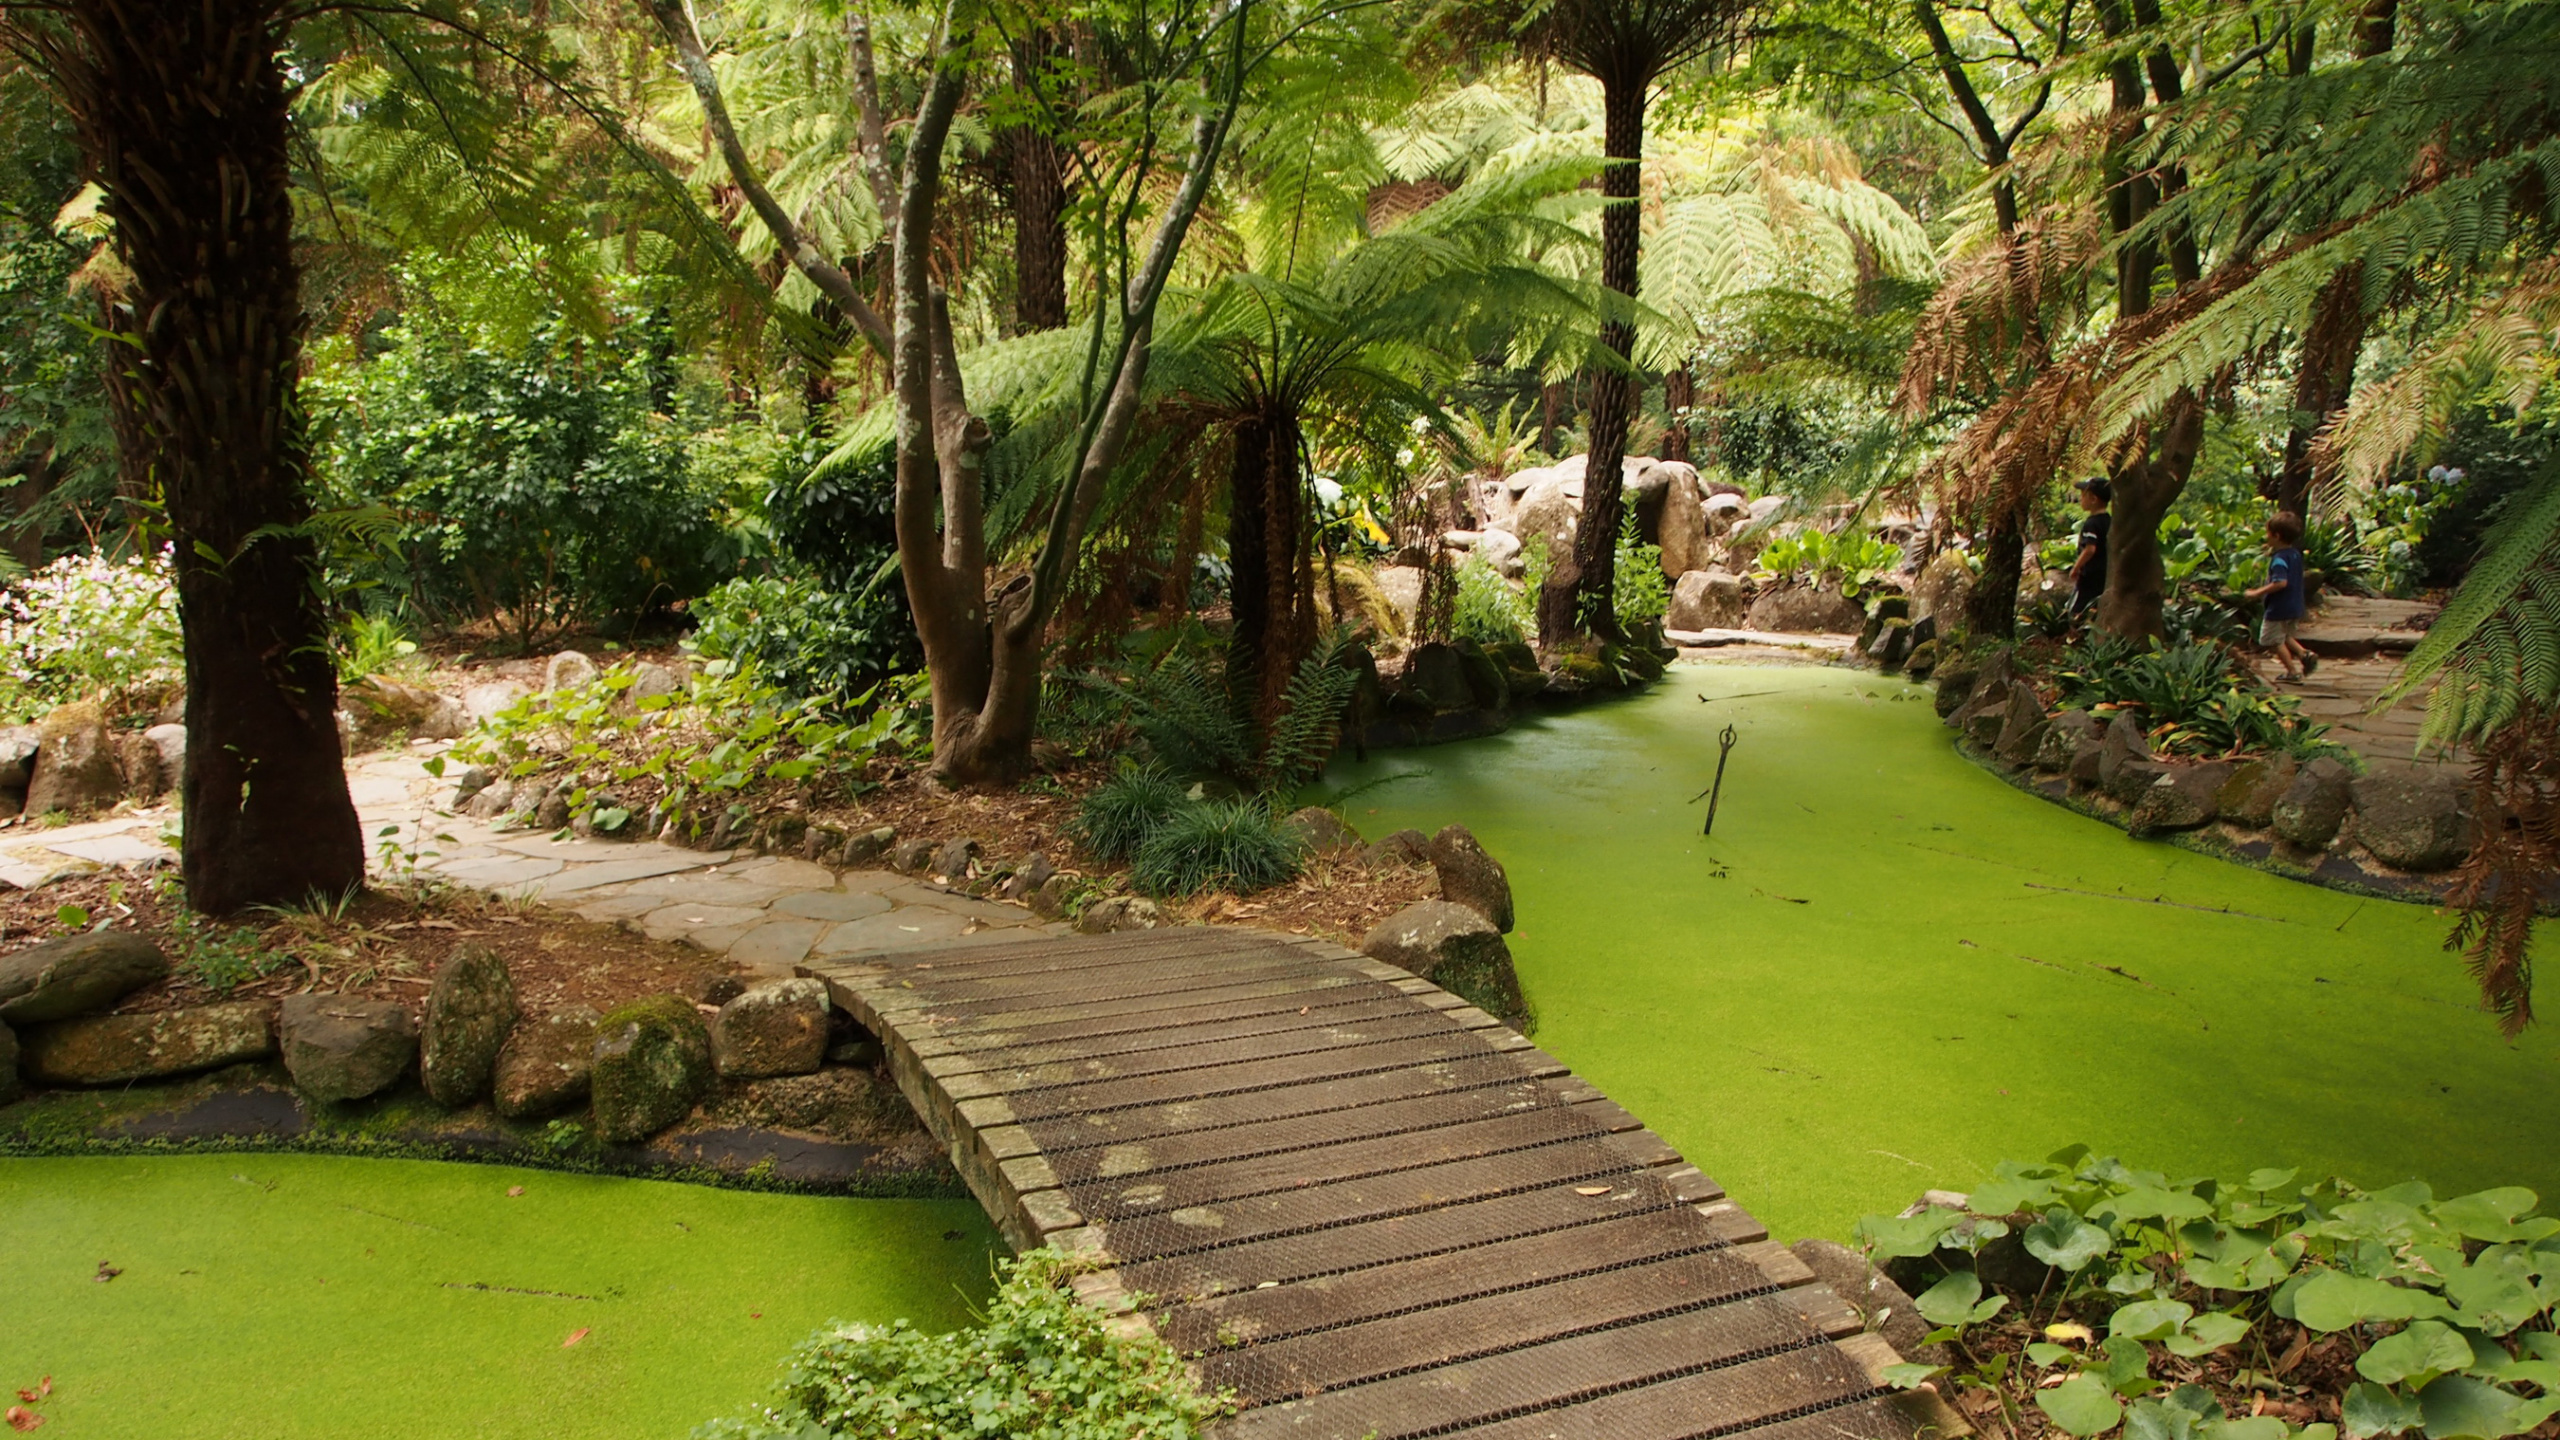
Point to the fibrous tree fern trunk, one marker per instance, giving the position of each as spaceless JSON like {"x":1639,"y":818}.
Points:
{"x":1266,"y":553}
{"x":1038,"y":166}
{"x":1579,"y":595}
{"x":181,"y":111}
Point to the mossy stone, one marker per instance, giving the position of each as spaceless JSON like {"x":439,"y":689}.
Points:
{"x":652,"y":1063}
{"x":470,"y":1009}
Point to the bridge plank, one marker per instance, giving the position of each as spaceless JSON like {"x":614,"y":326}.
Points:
{"x":1358,"y":1202}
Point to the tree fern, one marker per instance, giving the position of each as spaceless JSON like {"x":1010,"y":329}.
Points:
{"x":2496,"y":647}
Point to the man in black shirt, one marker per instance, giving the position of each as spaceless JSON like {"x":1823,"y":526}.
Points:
{"x":2089,"y":571}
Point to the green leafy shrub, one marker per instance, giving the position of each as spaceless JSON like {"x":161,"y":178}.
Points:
{"x":1643,"y":591}
{"x":87,"y":626}
{"x":535,"y":477}
{"x":1119,"y":814}
{"x":1236,"y":845}
{"x":699,"y":749}
{"x":804,"y":637}
{"x":2447,"y":1305}
{"x":1180,"y":706}
{"x":372,"y":645}
{"x":1852,"y":560}
{"x":1488,"y":611}
{"x":2193,"y":697}
{"x":1041,"y":1365}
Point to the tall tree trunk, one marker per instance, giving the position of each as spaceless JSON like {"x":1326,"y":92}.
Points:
{"x":2328,"y":375}
{"x":181,"y":111}
{"x":1580,"y":594}
{"x":1266,"y":552}
{"x":1039,"y":166}
{"x":1679,"y":396}
{"x":2148,"y":480}
{"x":1992,"y":611}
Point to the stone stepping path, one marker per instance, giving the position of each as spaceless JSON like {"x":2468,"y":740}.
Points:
{"x":766,"y":913}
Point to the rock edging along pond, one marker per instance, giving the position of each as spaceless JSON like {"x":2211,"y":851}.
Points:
{"x":2392,"y":832}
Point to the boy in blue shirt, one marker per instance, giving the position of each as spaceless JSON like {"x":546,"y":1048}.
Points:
{"x":2286,"y":596}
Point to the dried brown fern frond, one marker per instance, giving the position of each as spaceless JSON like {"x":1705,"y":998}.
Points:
{"x":2502,"y":347}
{"x":1986,"y":322}
{"x":2516,"y":807}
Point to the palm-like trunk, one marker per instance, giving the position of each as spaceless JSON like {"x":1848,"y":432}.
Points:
{"x":1579,"y":596}
{"x":181,"y":112}
{"x":1039,"y":175}
{"x":1266,"y":552}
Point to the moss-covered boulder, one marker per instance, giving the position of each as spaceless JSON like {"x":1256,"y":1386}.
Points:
{"x":1456,"y":948}
{"x":651,"y":1063}
{"x":9,"y":1085}
{"x":470,"y":1009}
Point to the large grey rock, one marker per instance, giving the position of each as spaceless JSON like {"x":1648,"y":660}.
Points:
{"x":1983,"y":726}
{"x":569,"y":670}
{"x":77,"y":768}
{"x":1321,"y":831}
{"x":1436,"y":675}
{"x":1705,"y":600}
{"x":2063,"y":736}
{"x":2182,"y":797}
{"x":470,"y":1009}
{"x":1404,"y":847}
{"x":169,"y":743}
{"x":1548,"y":515}
{"x":345,"y":1047}
{"x":652,"y":1063}
{"x":1470,"y":877}
{"x":1992,"y":677}
{"x":1806,"y":610}
{"x":383,"y":706}
{"x":543,"y":1067}
{"x":2124,"y":744}
{"x":481,"y":701}
{"x":1114,"y":913}
{"x":1684,"y":519}
{"x":953,"y":860}
{"x":74,"y":975}
{"x":2315,"y":805}
{"x":18,"y":745}
{"x":1892,"y":643}
{"x":1454,"y":947}
{"x":139,"y":761}
{"x":869,"y":846}
{"x":1499,"y":549}
{"x":1028,"y":877}
{"x":1954,"y":688}
{"x":778,"y":1028}
{"x":114,"y":1049}
{"x":912,"y":857}
{"x":493,"y":800}
{"x":2249,"y":797}
{"x":649,"y":681}
{"x":1885,"y":1307}
{"x":1945,"y":586}
{"x":2412,"y":820}
{"x":2021,"y":725}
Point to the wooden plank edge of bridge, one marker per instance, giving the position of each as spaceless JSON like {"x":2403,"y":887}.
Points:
{"x":1014,"y":1183}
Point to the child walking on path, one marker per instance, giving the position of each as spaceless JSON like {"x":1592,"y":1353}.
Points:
{"x":2286,"y":596}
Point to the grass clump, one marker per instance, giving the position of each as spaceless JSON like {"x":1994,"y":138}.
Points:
{"x":1042,"y":1364}
{"x":1118,"y":816}
{"x":1233,"y":845}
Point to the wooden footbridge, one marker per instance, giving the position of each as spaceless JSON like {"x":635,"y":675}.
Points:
{"x":1362,"y":1205}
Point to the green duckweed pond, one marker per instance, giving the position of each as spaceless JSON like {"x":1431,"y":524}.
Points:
{"x":287,"y":1296}
{"x":1889,"y":970}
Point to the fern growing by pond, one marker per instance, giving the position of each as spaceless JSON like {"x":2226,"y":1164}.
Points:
{"x":1041,"y":1365}
{"x":1236,"y":845}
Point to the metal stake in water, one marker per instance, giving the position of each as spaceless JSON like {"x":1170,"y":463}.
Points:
{"x":1714,"y":793}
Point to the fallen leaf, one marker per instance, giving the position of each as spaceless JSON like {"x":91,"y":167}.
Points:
{"x":44,"y":1387}
{"x":574,"y":1337}
{"x":22,"y":1418}
{"x":437,"y":925}
{"x":1590,"y":1189}
{"x":514,"y":1190}
{"x":755,"y":1314}
{"x":106,"y":1272}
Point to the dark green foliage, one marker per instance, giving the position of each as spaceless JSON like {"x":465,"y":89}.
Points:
{"x":535,"y":479}
{"x":1183,"y":710}
{"x":1122,"y":811}
{"x":57,"y":458}
{"x":807,"y":638}
{"x":1042,"y":1364}
{"x":2432,"y":1299}
{"x":1236,"y":845}
{"x":2191,"y":695}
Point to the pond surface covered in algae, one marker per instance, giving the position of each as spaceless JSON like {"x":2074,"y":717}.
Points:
{"x":1888,"y":970}
{"x":294,"y":1296}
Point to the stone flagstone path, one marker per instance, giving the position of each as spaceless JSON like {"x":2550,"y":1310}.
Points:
{"x":767,"y":913}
